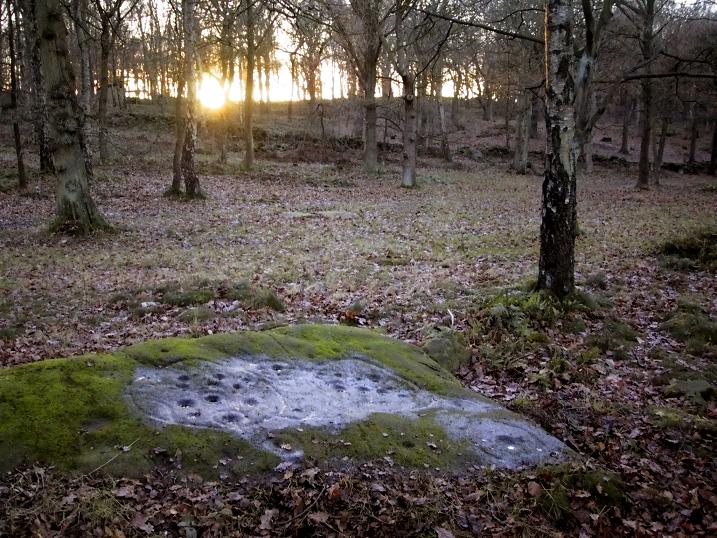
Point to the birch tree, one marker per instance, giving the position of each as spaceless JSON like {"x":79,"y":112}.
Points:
{"x":557,"y":232}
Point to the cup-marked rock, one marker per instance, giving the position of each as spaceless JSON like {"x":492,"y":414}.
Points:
{"x":242,"y":402}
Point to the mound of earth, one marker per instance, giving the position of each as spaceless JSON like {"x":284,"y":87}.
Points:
{"x":244,"y":402}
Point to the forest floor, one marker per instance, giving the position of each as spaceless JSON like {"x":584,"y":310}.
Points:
{"x":625,"y":374}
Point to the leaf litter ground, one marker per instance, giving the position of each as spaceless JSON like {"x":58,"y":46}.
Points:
{"x":334,"y":245}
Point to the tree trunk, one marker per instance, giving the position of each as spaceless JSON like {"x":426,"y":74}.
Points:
{"x":370,"y":138}
{"x":179,"y":132}
{"x":659,"y":154}
{"x":40,"y":104}
{"x":191,"y":180}
{"x":104,"y":90}
{"x":694,"y":136}
{"x":557,"y":231}
{"x":713,"y":157}
{"x":587,"y":137}
{"x":455,"y":102}
{"x":445,"y":148}
{"x":488,"y":111}
{"x":626,"y":121}
{"x":249,"y":91}
{"x":643,"y":176}
{"x":522,"y":133}
{"x":76,"y":212}
{"x":21,"y":176}
{"x":290,"y":108}
{"x":409,"y":130}
{"x":79,"y":8}
{"x":534,"y":116}
{"x":267,"y":83}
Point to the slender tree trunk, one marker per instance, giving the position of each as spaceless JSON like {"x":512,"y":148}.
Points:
{"x":104,"y":90}
{"x":559,"y":213}
{"x":506,"y":121}
{"x":522,"y":133}
{"x":694,"y":137}
{"x":191,"y":180}
{"x":659,"y":154}
{"x":445,"y":148}
{"x":290,"y":108}
{"x":179,"y":132}
{"x":488,"y":103}
{"x":409,"y":130}
{"x":249,"y":93}
{"x":267,"y":82}
{"x":21,"y":176}
{"x":76,"y":211}
{"x":536,"y":107}
{"x":370,"y":138}
{"x":587,"y":149}
{"x":626,"y":121}
{"x":643,"y":176}
{"x":713,"y":158}
{"x":455,"y":102}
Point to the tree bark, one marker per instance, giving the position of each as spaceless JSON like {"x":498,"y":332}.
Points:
{"x":179,"y":132}
{"x":248,"y":162}
{"x":522,"y":133}
{"x":643,"y":175}
{"x":40,"y":104}
{"x":713,"y":158}
{"x":626,"y":121}
{"x":445,"y":148}
{"x":191,"y":180}
{"x":21,"y":176}
{"x":694,"y":135}
{"x":557,"y":231}
{"x":370,"y":138}
{"x":104,"y":89}
{"x":410,"y":116}
{"x":659,"y":154}
{"x":76,"y":211}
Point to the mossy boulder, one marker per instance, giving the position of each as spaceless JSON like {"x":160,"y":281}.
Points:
{"x":81,"y":414}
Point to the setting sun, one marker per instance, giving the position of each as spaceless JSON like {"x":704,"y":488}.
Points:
{"x":210,"y":92}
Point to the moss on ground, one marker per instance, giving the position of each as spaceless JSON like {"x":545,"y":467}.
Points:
{"x":606,"y":489}
{"x":696,"y":249}
{"x":198,"y":293}
{"x":72,"y":413}
{"x":690,"y":324}
{"x":196,"y":314}
{"x":449,"y":349}
{"x":616,"y":336}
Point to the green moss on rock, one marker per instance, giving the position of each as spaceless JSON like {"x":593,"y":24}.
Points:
{"x":405,"y":441}
{"x":72,"y":412}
